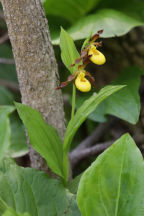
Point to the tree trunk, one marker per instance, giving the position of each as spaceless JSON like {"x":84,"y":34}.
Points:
{"x":35,"y":63}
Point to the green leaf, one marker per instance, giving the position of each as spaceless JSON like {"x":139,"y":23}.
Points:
{"x":11,"y":212}
{"x":73,"y":185}
{"x":5,"y":131}
{"x":32,"y":191}
{"x":85,"y":43}
{"x":114,"y":23}
{"x":69,"y":52}
{"x":12,"y":134}
{"x":98,"y":115}
{"x":43,"y":137}
{"x":5,"y":210}
{"x":6,"y":98}
{"x":18,"y":145}
{"x":5,"y":111}
{"x":87,"y":107}
{"x":82,"y":113}
{"x":125,"y":104}
{"x":70,"y":10}
{"x":113,"y":184}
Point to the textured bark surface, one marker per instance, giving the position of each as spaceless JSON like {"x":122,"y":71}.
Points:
{"x":35,"y":63}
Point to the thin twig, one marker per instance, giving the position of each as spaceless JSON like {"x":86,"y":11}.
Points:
{"x":10,"y":85}
{"x":75,"y":157}
{"x":6,"y":61}
{"x":4,"y":38}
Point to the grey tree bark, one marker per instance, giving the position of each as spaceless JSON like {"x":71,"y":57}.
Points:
{"x":35,"y":63}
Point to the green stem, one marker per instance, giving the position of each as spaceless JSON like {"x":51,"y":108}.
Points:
{"x":73,"y":101}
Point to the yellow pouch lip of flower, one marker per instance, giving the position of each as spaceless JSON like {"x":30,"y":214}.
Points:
{"x":96,"y":56}
{"x":82,"y":84}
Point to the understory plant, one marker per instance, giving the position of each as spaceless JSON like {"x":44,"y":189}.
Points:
{"x":111,"y":186}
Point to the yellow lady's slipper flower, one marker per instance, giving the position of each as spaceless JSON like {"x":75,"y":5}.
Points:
{"x":96,"y":56}
{"x":82,"y":84}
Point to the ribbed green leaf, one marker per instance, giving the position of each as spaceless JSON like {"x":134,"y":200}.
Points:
{"x":5,"y":210}
{"x":11,"y":212}
{"x":43,"y":137}
{"x":32,"y":191}
{"x":113,"y":184}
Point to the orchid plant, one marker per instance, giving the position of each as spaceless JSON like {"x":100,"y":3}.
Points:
{"x":89,"y":53}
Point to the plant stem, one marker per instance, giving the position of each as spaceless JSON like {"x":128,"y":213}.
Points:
{"x":73,"y":101}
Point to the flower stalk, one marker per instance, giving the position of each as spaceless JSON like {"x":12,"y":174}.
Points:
{"x":73,"y":101}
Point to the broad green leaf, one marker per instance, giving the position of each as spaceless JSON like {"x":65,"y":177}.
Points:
{"x":43,"y":137}
{"x":125,"y":104}
{"x":32,"y":191}
{"x":69,"y":52}
{"x":70,"y":10}
{"x":12,"y":134}
{"x":5,"y":131}
{"x":82,"y":113}
{"x":11,"y":212}
{"x":3,"y":206}
{"x":5,"y":210}
{"x":99,"y":114}
{"x":18,"y":145}
{"x":114,"y":23}
{"x":113,"y":184}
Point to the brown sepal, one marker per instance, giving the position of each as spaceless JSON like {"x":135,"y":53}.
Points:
{"x":100,"y":31}
{"x":63,"y":84}
{"x":96,"y":36}
{"x":82,"y":56}
{"x":91,"y":78}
